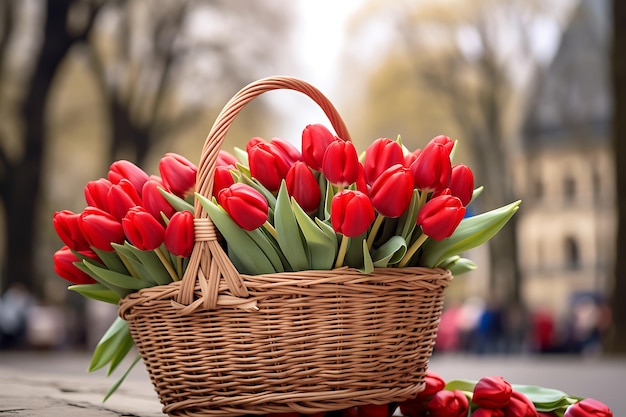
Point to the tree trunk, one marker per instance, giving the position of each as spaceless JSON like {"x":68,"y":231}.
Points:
{"x":617,"y":343}
{"x":21,"y":183}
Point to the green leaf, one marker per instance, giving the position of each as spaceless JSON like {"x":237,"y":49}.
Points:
{"x":368,"y":265}
{"x":96,"y":292}
{"x":406,"y":223}
{"x":390,"y":252}
{"x":288,"y":232}
{"x":545,"y":399}
{"x":111,"y":260}
{"x":328,"y":198}
{"x":472,"y":232}
{"x":124,"y":346}
{"x":271,"y":251}
{"x":178,"y":203}
{"x":154,"y":269}
{"x":251,"y":258}
{"x":121,"y":292}
{"x":354,"y":254}
{"x":109,"y":344}
{"x":478,"y":191}
{"x":241,"y":155}
{"x":119,"y":280}
{"x":461,"y":266}
{"x":119,"y":382}
{"x":467,"y":387}
{"x":322,"y":247}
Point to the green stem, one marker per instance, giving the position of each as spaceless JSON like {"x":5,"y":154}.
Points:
{"x":268,"y":226}
{"x":422,"y":201}
{"x":179,"y":266}
{"x":374,"y":231}
{"x":414,"y":247}
{"x":343,"y":248}
{"x":128,"y":266}
{"x":167,"y":264}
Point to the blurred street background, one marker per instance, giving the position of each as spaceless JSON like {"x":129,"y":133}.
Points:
{"x":532,"y":90}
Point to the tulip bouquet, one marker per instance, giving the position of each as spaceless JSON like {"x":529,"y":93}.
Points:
{"x":278,"y":209}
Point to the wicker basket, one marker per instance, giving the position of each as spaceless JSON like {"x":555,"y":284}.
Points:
{"x":218,"y":343}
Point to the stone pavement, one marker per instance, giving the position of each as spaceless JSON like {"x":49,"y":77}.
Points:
{"x":53,"y":384}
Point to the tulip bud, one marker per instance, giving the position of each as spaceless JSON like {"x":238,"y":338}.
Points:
{"x":392,"y":191}
{"x":268,"y":165}
{"x":222,"y":178}
{"x":245,"y":205}
{"x":303,"y":187}
{"x":100,"y":228}
{"x":224,"y":158}
{"x":315,"y":140}
{"x":492,"y":392}
{"x":488,"y":412}
{"x":121,"y":197}
{"x":253,"y":142}
{"x":588,"y":408}
{"x":461,"y":183}
{"x":154,"y":202}
{"x":96,"y":193}
{"x":447,"y":403}
{"x":380,"y":155}
{"x":351,"y":213}
{"x":341,"y":164}
{"x":416,"y":407}
{"x":67,"y":226}
{"x":520,"y":406}
{"x":410,"y":157}
{"x":178,"y":173}
{"x":440,"y":216}
{"x":290,"y":152}
{"x":64,"y":265}
{"x":142,"y":229}
{"x":432,"y":168}
{"x":123,"y":169}
{"x":373,"y":410}
{"x":179,"y":234}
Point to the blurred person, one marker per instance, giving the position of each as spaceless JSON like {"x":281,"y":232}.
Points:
{"x":448,"y":333}
{"x":15,"y":306}
{"x":469,"y":315}
{"x":542,"y":331}
{"x":490,"y":329}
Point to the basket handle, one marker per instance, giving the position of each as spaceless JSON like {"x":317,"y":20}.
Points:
{"x":208,"y":261}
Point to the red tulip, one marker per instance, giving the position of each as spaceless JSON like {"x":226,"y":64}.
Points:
{"x":302,"y":185}
{"x":461,"y":183}
{"x":245,"y":205}
{"x":520,"y":406}
{"x":315,"y":140}
{"x":351,"y":213}
{"x":96,"y":193}
{"x":341,"y":164}
{"x":222,"y":178}
{"x":588,"y":408}
{"x":440,"y":216}
{"x":288,"y":150}
{"x":253,"y":142}
{"x":154,"y":202}
{"x":179,"y":234}
{"x":178,"y":173}
{"x":383,"y":153}
{"x":67,"y":226}
{"x":224,"y":158}
{"x":392,"y":191}
{"x":64,"y":260}
{"x":417,"y":406}
{"x":373,"y":410}
{"x":448,"y":404}
{"x":142,"y":229}
{"x":121,"y":197}
{"x":268,"y":164}
{"x":410,"y":157}
{"x":100,"y":228}
{"x":123,"y":169}
{"x":488,"y":412}
{"x":432,"y":168}
{"x":492,"y":392}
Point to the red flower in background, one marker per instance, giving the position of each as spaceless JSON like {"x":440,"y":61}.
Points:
{"x":100,"y":228}
{"x":142,"y":230}
{"x":179,"y":234}
{"x":383,"y":153}
{"x":392,"y":191}
{"x":588,"y":408}
{"x":418,"y":406}
{"x":520,"y":406}
{"x":440,"y":216}
{"x":315,"y":140}
{"x":492,"y":392}
{"x":351,"y":213}
{"x":245,"y":205}
{"x":432,"y":168}
{"x":341,"y":164}
{"x":178,"y":174}
{"x":67,"y":226}
{"x":64,"y":260}
{"x":123,"y":169}
{"x":303,"y":187}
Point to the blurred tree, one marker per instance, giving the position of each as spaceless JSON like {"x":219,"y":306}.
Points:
{"x":618,"y":340}
{"x":159,"y":69}
{"x":471,"y":58}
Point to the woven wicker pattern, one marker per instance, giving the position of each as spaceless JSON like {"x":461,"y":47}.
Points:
{"x":219,"y":344}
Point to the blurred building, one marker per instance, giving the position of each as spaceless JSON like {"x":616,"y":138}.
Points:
{"x":566,"y":177}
